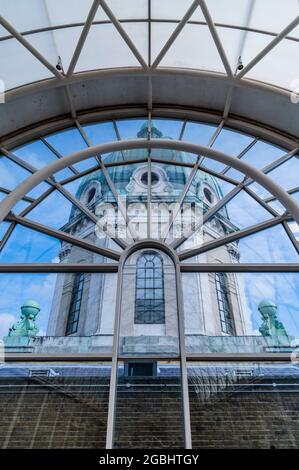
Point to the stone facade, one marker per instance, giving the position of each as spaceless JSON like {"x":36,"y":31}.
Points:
{"x":202,"y":316}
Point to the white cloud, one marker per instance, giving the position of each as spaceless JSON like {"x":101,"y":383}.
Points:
{"x":257,"y":333}
{"x":6,"y":321}
{"x":42,"y":332}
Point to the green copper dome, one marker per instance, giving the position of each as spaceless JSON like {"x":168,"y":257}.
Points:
{"x":266,"y":303}
{"x":121,"y":175}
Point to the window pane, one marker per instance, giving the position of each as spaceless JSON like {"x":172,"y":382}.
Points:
{"x":250,"y":313}
{"x":69,"y":411}
{"x":228,"y":402}
{"x":144,"y":401}
{"x":148,"y":321}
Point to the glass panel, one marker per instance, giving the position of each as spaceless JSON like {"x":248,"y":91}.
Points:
{"x":56,"y":211}
{"x":241,"y":312}
{"x":149,"y":406}
{"x":130,"y":128}
{"x":235,"y":41}
{"x":214,"y":165}
{"x":11,"y":174}
{"x":204,"y":192}
{"x":68,"y":142}
{"x":54,"y":294}
{"x":20,"y":207}
{"x":232,"y":12}
{"x":268,"y":246}
{"x":132,"y":196}
{"x":148,"y":319}
{"x":286,"y":175}
{"x":230,"y":404}
{"x":29,"y":246}
{"x":217,"y":188}
{"x":39,"y":155}
{"x":170,"y":128}
{"x":260,"y":155}
{"x":61,"y":405}
{"x":259,"y":190}
{"x":232,"y":142}
{"x":294,"y":228}
{"x":3,"y":229}
{"x":99,"y":133}
{"x":241,"y":212}
{"x":277,"y":206}
{"x":38,"y":190}
{"x":198,"y":133}
{"x":94,"y":192}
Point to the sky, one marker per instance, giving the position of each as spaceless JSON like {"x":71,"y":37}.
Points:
{"x":24,"y":245}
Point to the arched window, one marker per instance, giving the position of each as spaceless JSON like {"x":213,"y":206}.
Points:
{"x":75,"y":306}
{"x":149,"y":303}
{"x":225,"y":311}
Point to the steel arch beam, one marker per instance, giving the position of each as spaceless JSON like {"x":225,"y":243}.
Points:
{"x":264,"y":180}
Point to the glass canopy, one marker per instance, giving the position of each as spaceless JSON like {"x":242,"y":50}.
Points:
{"x":240,"y":216}
{"x":148,"y":258}
{"x":248,"y":39}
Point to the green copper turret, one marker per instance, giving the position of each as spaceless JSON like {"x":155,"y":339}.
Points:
{"x":271,"y":327}
{"x":26,"y":326}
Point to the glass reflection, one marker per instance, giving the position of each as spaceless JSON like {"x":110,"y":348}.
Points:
{"x":231,"y":402}
{"x":61,"y":406}
{"x":241,"y":312}
{"x":148,"y":406}
{"x":148,"y":317}
{"x":76,"y":312}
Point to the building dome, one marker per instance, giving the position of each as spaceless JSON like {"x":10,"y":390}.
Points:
{"x":176,"y":176}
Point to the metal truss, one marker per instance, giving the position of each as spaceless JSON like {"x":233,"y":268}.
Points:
{"x":119,"y":203}
{"x":149,"y":68}
{"x":44,"y":174}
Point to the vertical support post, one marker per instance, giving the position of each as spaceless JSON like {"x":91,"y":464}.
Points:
{"x":149,"y":181}
{"x":113,"y":377}
{"x":184,"y":374}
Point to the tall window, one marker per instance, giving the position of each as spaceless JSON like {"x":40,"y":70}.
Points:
{"x":75,"y":306}
{"x":225,"y":311}
{"x":149,"y":303}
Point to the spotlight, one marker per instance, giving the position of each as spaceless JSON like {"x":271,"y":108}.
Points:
{"x":240,"y":65}
{"x":59,"y":65}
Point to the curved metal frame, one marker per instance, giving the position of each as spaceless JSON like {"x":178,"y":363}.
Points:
{"x":42,"y":129}
{"x":20,"y":192}
{"x":251,"y":172}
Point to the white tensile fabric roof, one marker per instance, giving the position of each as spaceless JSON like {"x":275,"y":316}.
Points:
{"x":205,"y":39}
{"x":244,"y":28}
